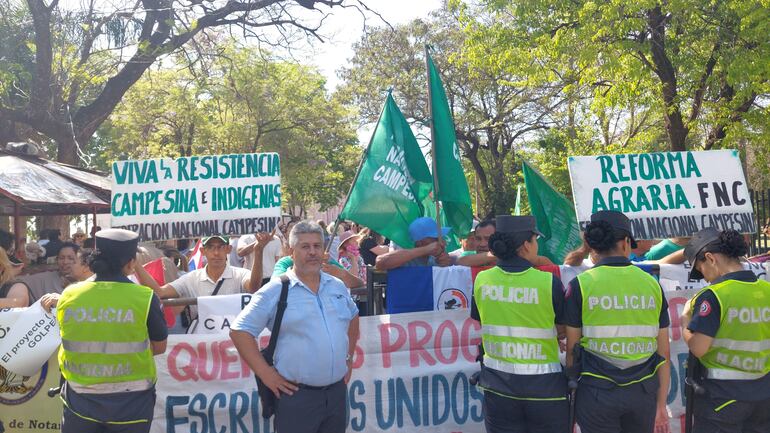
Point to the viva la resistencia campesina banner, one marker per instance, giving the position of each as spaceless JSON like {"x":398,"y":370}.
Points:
{"x":197,"y":196}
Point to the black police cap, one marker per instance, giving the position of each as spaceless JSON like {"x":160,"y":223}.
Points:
{"x":117,"y":243}
{"x":516,"y":224}
{"x":698,"y":244}
{"x":618,"y":220}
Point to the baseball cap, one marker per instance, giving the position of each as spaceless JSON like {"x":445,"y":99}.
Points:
{"x":618,"y":221}
{"x":425,"y":227}
{"x":698,"y":243}
{"x":516,"y":224}
{"x":224,"y":239}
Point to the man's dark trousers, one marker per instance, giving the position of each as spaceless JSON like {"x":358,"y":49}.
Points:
{"x":312,"y":410}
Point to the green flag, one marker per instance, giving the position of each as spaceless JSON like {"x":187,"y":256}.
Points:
{"x":555,"y":216}
{"x":393,"y":179}
{"x":451,"y":186}
{"x":517,"y":209}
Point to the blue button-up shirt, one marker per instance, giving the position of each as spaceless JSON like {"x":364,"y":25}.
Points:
{"x":313,"y":341}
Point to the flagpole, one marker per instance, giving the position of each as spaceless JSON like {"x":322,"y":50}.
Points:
{"x":355,"y":179}
{"x":433,"y":144}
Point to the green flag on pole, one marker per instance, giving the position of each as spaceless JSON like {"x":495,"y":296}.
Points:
{"x":451,"y":186}
{"x":392,"y":181}
{"x":555,"y":216}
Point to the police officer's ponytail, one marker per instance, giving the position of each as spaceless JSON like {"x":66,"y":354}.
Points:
{"x":103,"y":264}
{"x":730,"y":243}
{"x":600,"y":236}
{"x":505,"y":246}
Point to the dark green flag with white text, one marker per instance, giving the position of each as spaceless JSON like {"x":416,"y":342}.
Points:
{"x":393,"y":181}
{"x":452,"y":187}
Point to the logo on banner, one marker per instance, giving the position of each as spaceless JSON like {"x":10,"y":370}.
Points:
{"x":16,"y":389}
{"x":452,"y":299}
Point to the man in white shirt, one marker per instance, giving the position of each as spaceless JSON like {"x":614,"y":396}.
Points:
{"x":203,"y":282}
{"x":270,"y":254}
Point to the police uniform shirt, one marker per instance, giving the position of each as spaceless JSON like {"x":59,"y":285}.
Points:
{"x":119,"y":405}
{"x":706,"y":320}
{"x":551,"y":385}
{"x":573,"y":313}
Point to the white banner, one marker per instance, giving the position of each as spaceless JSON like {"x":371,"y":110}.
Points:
{"x":28,"y":337}
{"x":215,"y":313}
{"x":410,"y":374}
{"x":197,"y":196}
{"x":665,"y":194}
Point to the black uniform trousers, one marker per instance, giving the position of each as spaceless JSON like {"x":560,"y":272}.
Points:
{"x":616,"y":409}
{"x":723,"y":416}
{"x":508,"y":415}
{"x":89,"y":413}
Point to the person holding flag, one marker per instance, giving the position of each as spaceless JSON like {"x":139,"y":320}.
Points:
{"x":520,"y":307}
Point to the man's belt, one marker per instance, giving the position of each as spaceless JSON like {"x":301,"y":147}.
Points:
{"x":318,"y":388}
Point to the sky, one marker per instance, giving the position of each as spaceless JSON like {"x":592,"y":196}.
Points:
{"x":345,"y":27}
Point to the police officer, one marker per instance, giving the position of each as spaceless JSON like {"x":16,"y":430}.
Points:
{"x":728,"y":328}
{"x":110,"y":330}
{"x":520,"y":309}
{"x":618,"y":314}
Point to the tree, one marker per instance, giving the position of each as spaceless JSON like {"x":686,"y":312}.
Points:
{"x":243,"y":100}
{"x":79,"y":64}
{"x":702,"y":66}
{"x":492,"y":115}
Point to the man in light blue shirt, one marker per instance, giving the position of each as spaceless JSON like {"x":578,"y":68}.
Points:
{"x":313,"y":355}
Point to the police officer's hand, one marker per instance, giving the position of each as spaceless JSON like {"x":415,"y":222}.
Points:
{"x":49,"y":300}
{"x":661,"y":420}
{"x":277,"y":383}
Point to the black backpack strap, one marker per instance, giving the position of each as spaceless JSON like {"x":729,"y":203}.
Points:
{"x":218,"y":286}
{"x":268,"y":354}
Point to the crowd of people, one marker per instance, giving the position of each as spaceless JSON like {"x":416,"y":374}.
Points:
{"x":611,"y":321}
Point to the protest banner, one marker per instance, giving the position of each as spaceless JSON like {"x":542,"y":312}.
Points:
{"x":665,"y":194}
{"x":197,"y":196}
{"x":24,"y":404}
{"x":29,"y":340}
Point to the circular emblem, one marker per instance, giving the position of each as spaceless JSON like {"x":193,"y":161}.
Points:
{"x":16,"y":389}
{"x":705,"y":309}
{"x":452,"y":299}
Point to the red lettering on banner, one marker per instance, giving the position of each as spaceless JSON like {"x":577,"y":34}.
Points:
{"x":203,"y":361}
{"x":188,"y":371}
{"x":387,"y":346}
{"x":417,"y":345}
{"x":207,"y":362}
{"x":454,"y":344}
{"x":228,"y":357}
{"x":673,"y":313}
{"x":467,"y":342}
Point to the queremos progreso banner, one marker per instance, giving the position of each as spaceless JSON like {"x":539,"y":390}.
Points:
{"x":410,"y":374}
{"x":197,"y":196}
{"x":665,"y":194}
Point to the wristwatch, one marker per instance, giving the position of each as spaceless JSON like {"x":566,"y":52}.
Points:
{"x":349,"y":357}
